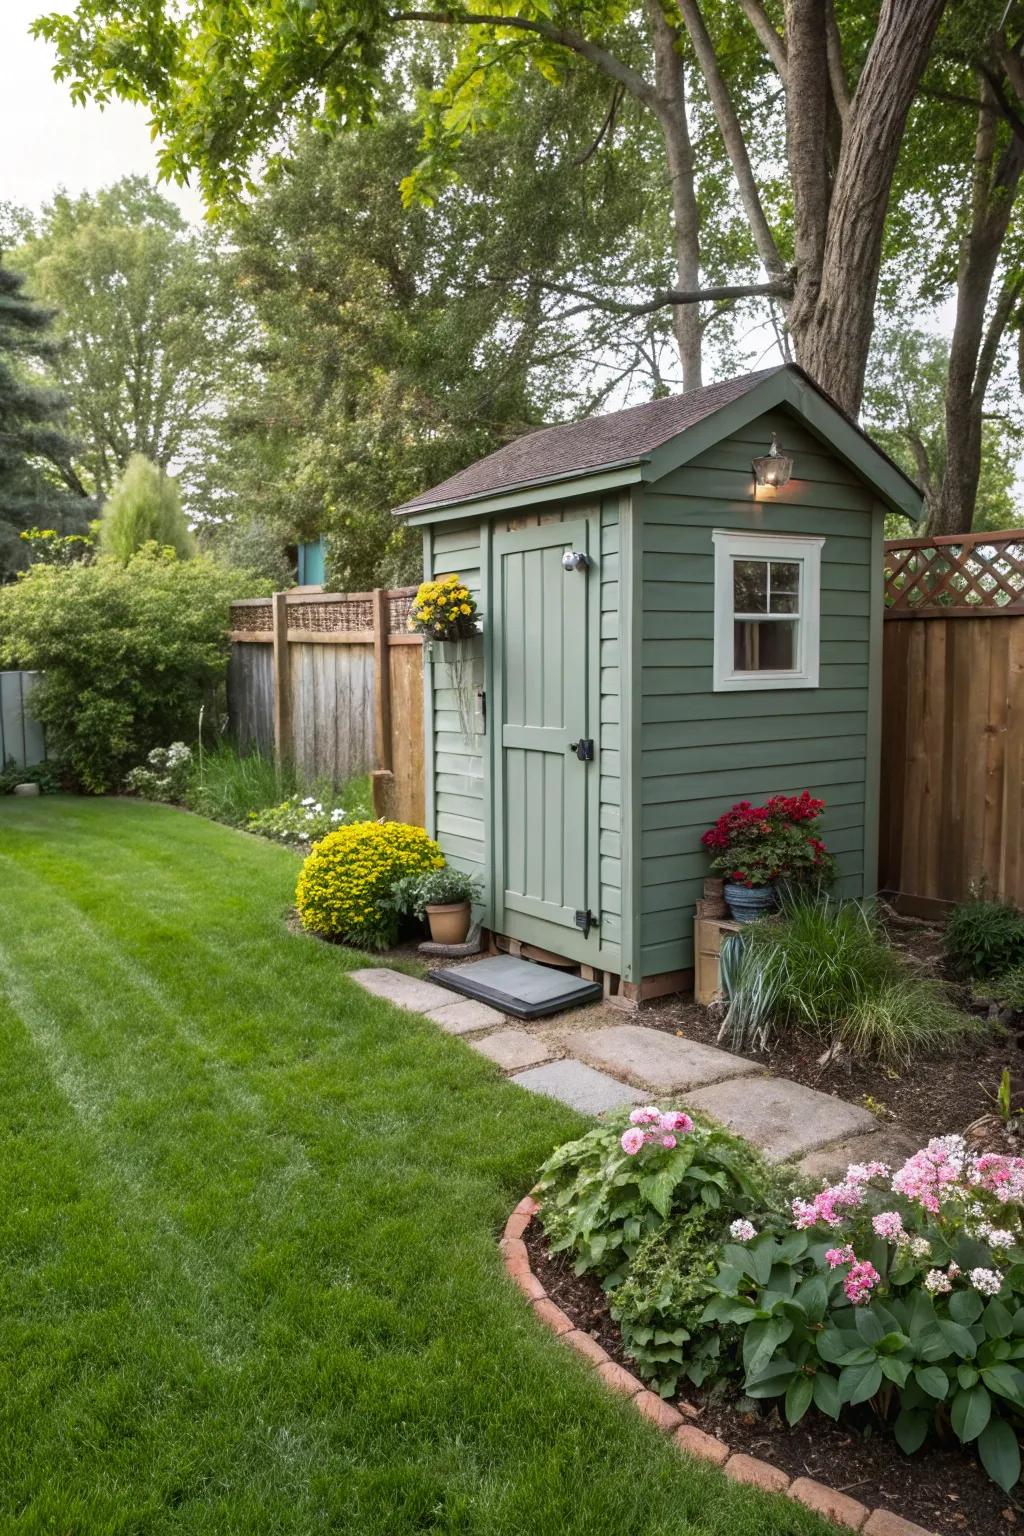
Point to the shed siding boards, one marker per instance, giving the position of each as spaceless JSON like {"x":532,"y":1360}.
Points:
{"x":699,"y":751}
{"x":457,"y":773}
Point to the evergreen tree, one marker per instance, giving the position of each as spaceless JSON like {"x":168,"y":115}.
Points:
{"x":33,"y":447}
{"x":144,"y":507}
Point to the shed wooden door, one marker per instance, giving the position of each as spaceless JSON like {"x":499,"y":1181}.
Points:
{"x":543,"y":860}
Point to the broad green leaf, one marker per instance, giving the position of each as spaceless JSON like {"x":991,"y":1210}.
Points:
{"x":812,"y":1296}
{"x":894,"y":1369}
{"x":970,"y":1412}
{"x":966,"y":1375}
{"x":966,"y":1307}
{"x":771,"y":1382}
{"x":760,"y":1341}
{"x":1005,"y":1380}
{"x":834,"y":1345}
{"x":798,"y":1397}
{"x":892,"y":1343}
{"x":859,"y":1382}
{"x":870,"y":1328}
{"x":826,"y":1394}
{"x":998,"y":1320}
{"x":932,"y":1379}
{"x":910,"y":1430}
{"x":1000,"y":1453}
{"x":959,"y":1339}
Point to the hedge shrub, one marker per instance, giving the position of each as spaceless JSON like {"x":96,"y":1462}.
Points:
{"x":347,"y":882}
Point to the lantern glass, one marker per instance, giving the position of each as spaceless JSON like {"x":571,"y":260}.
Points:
{"x":773,"y":468}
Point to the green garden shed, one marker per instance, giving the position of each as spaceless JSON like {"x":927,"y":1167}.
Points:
{"x":664,"y":631}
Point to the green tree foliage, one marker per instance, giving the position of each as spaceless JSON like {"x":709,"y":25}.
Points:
{"x":398,"y":344}
{"x":149,"y":331}
{"x":143,"y":508}
{"x":33,"y":446}
{"x":130,"y":651}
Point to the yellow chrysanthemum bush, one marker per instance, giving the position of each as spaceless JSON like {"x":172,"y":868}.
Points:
{"x":444,"y":610}
{"x":347,"y":880}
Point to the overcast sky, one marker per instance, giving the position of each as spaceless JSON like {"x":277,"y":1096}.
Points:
{"x":49,"y":142}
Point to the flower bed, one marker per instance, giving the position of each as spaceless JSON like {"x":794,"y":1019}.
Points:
{"x":898,"y":1294}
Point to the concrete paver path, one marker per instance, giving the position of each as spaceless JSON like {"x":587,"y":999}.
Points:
{"x":608,"y":1064}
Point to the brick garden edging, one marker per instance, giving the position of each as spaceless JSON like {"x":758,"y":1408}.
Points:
{"x":835,"y":1506}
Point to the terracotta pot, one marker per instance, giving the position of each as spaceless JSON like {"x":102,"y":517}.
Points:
{"x":449,"y":924}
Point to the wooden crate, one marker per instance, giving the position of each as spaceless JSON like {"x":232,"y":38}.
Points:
{"x":709,"y":934}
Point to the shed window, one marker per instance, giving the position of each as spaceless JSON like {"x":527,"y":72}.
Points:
{"x":767,"y":604}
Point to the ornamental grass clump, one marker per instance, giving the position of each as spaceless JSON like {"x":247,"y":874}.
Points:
{"x":346,"y":882}
{"x":984,"y":938}
{"x":824,"y":966}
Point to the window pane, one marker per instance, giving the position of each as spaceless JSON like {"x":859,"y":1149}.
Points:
{"x":764,"y":646}
{"x":785,"y":602}
{"x":785,"y":575}
{"x":750,"y":586}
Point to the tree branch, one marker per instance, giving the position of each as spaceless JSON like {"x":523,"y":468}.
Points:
{"x":732,"y":134}
{"x":601,"y":58}
{"x":774,"y":46}
{"x":780,"y":289}
{"x":836,"y":72}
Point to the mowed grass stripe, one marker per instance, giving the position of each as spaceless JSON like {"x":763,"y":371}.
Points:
{"x":192,"y":1343}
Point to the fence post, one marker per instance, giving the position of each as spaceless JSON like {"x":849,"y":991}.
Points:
{"x":282,"y":680}
{"x":381,"y":778}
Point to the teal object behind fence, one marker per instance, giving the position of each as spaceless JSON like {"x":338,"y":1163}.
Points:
{"x":312,"y":563}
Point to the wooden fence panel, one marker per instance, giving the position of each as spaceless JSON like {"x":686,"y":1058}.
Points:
{"x":251,"y":697}
{"x":22,"y":742}
{"x":347,"y":696}
{"x":952,"y":809}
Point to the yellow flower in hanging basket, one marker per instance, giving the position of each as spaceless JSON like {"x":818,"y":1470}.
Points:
{"x":444,"y":609}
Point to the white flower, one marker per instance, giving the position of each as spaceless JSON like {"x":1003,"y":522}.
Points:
{"x":987,"y":1281}
{"x":936,"y":1282}
{"x":920,"y":1247}
{"x":337,"y":813}
{"x":309,"y":800}
{"x":998,"y":1237}
{"x":743,"y":1231}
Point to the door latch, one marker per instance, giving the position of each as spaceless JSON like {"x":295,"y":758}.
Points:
{"x":585,"y":921}
{"x":584,"y":749}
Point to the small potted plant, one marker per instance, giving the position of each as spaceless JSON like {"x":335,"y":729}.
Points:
{"x":445,"y":898}
{"x":759,"y":847}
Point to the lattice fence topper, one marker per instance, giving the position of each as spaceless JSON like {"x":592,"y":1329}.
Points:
{"x":347,"y":613}
{"x":399,"y":608}
{"x":252,"y":618}
{"x":962,"y":572}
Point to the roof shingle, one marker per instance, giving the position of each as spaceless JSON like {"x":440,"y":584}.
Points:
{"x":597,"y":442}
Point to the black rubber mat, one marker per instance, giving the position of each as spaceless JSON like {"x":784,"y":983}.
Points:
{"x":519,"y":987}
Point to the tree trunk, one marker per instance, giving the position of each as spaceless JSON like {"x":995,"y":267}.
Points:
{"x":671,"y":89}
{"x":973,"y":350}
{"x":833,"y":310}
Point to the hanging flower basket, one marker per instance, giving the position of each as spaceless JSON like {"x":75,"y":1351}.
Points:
{"x":444,"y":612}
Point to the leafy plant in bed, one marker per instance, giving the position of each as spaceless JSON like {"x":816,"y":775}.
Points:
{"x":894,"y":1295}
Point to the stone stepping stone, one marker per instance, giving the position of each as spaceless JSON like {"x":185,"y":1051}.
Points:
{"x":786,"y":1120}
{"x":464,"y":1016}
{"x":889,"y":1146}
{"x":405,"y":991}
{"x":656,"y":1061}
{"x":577,"y":1085}
{"x":512,"y":1049}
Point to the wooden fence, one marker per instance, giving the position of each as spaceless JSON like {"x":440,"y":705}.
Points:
{"x":22,"y":742}
{"x":952,"y":812}
{"x":333,"y":682}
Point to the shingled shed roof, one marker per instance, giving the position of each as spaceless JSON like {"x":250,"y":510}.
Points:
{"x":598,"y":442}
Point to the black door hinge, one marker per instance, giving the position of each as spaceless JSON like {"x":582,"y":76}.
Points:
{"x":586,"y":920}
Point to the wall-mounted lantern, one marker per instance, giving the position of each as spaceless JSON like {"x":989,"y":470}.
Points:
{"x":773,"y":469}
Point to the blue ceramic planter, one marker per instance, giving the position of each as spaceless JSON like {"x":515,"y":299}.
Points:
{"x":748,"y":903}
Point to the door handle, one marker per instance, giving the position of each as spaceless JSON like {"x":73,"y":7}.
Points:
{"x":584,"y":749}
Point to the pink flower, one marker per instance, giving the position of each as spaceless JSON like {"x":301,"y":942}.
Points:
{"x":632,"y":1140}
{"x":829,"y":1205}
{"x":668,"y":1141}
{"x":889,"y":1224}
{"x":646,"y":1116}
{"x":836,"y":1256}
{"x":677,"y":1120}
{"x":926,"y":1177}
{"x":860,"y":1282}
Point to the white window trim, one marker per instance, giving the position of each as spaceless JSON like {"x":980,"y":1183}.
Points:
{"x":767,"y":546}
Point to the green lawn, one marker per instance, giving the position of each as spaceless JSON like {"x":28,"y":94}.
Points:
{"x":248,"y":1215}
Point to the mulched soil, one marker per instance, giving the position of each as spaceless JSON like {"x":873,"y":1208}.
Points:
{"x":936,"y":1096}
{"x":942,"y":1490}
